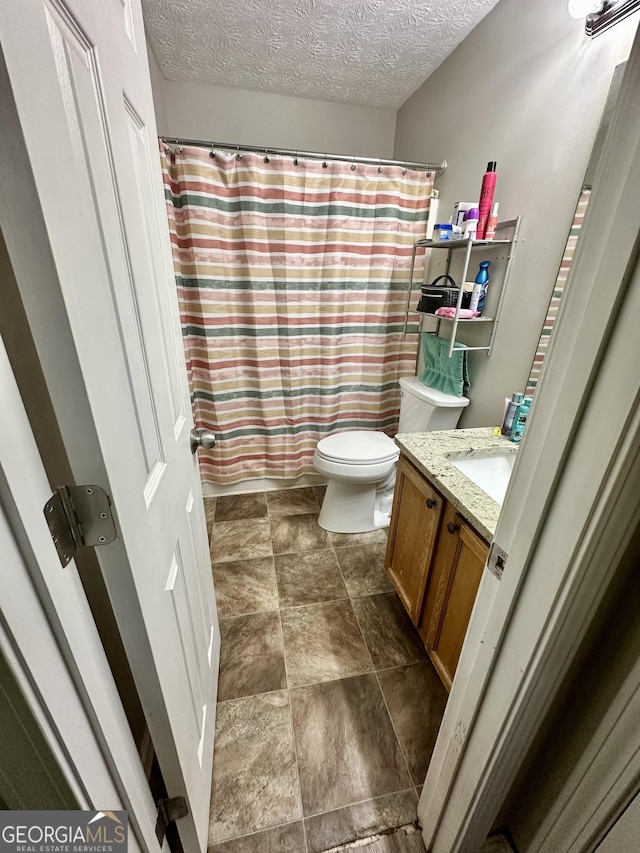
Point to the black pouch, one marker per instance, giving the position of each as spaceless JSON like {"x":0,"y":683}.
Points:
{"x":434,"y":295}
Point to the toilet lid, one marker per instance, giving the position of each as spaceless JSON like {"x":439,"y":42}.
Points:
{"x":358,"y":446}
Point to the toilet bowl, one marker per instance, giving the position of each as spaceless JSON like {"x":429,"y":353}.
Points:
{"x":360,"y":465}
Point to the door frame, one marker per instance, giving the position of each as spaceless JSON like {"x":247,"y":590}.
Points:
{"x":570,"y":510}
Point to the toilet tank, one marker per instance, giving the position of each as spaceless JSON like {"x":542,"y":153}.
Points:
{"x":423,"y":409}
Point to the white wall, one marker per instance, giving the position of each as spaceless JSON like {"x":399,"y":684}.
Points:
{"x":198,"y":111}
{"x":157,"y":84}
{"x":525,"y":88}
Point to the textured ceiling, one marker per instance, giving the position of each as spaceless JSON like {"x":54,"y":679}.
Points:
{"x":374,"y":52}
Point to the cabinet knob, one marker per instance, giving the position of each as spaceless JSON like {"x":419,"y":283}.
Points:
{"x":430,"y":503}
{"x":452,"y":528}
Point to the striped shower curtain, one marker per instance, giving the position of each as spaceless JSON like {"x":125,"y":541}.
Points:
{"x":292,"y":280}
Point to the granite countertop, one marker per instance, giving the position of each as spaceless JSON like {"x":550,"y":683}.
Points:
{"x":430,"y":453}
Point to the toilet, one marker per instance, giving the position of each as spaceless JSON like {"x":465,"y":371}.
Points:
{"x":360,"y":465}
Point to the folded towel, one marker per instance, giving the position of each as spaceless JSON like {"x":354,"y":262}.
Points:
{"x":450,"y":375}
{"x":464,"y":313}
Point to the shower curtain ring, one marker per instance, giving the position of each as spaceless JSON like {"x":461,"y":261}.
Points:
{"x":353,"y":165}
{"x":380,"y":166}
{"x":295,"y":160}
{"x":238,"y":155}
{"x":325,"y":165}
{"x":404,"y":169}
{"x":267,"y":159}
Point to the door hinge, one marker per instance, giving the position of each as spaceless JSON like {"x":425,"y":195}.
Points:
{"x":77,"y":516}
{"x":497,"y":560}
{"x":168,"y":811}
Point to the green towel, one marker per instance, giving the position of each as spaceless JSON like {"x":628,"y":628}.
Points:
{"x":449,"y":375}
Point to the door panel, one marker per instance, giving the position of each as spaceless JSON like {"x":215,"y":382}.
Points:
{"x":97,"y":282}
{"x":413,"y":533}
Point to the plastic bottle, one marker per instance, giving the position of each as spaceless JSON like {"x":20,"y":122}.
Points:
{"x":492,"y":221}
{"x":486,"y":197}
{"x":480,"y":287}
{"x":509,"y":415}
{"x":470,"y":223}
{"x":520,"y":421}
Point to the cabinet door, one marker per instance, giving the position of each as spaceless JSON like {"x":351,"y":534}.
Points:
{"x":415,"y":519}
{"x":457,"y":569}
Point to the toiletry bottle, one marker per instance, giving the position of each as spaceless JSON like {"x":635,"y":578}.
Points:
{"x":470,"y":223}
{"x":520,"y":421}
{"x":492,"y":221}
{"x":480,"y":287}
{"x":486,"y":197}
{"x":509,"y":415}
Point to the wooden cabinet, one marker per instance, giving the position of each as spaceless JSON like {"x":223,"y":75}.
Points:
{"x":435,"y":561}
{"x":413,"y":533}
{"x":454,"y":579}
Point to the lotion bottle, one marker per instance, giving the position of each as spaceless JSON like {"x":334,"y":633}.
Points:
{"x":486,"y":197}
{"x":512,"y":408}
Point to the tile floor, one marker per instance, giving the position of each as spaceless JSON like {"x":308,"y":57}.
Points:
{"x":328,"y":707}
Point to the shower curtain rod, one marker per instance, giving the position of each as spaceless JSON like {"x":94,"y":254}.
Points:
{"x":309,"y":155}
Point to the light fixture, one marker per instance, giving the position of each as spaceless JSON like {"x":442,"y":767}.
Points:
{"x":601,"y":14}
{"x":581,"y":8}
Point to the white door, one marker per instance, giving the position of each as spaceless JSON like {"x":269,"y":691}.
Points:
{"x":44,"y":621}
{"x":82,"y":213}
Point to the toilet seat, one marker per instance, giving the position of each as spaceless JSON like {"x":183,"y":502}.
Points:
{"x":358,"y":447}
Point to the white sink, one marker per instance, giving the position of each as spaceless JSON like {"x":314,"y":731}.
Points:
{"x":490,"y":472}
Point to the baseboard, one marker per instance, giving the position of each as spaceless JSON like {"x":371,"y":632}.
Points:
{"x":263,"y":484}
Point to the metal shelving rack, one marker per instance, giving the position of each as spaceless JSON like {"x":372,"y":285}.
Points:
{"x":468,"y":245}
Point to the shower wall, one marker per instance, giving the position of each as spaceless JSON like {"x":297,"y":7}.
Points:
{"x":199,"y":111}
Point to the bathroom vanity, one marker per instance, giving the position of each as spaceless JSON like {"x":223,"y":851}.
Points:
{"x":441,"y":524}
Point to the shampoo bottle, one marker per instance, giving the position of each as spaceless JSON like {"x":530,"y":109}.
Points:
{"x":486,"y":198}
{"x":480,"y":287}
{"x":520,"y":421}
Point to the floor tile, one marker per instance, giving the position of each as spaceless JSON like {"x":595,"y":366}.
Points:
{"x":347,"y":750}
{"x":251,"y":656}
{"x":363,"y":569}
{"x":255,"y":784}
{"x":309,"y":577}
{"x":293,"y":533}
{"x":240,"y":540}
{"x":370,"y":537}
{"x":388,"y":632}
{"x":323,"y":642}
{"x":280,"y":839}
{"x":237,"y":507}
{"x":292,"y":502}
{"x":209,"y":512}
{"x":245,"y":586}
{"x":344,"y":826}
{"x":416,"y":699}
